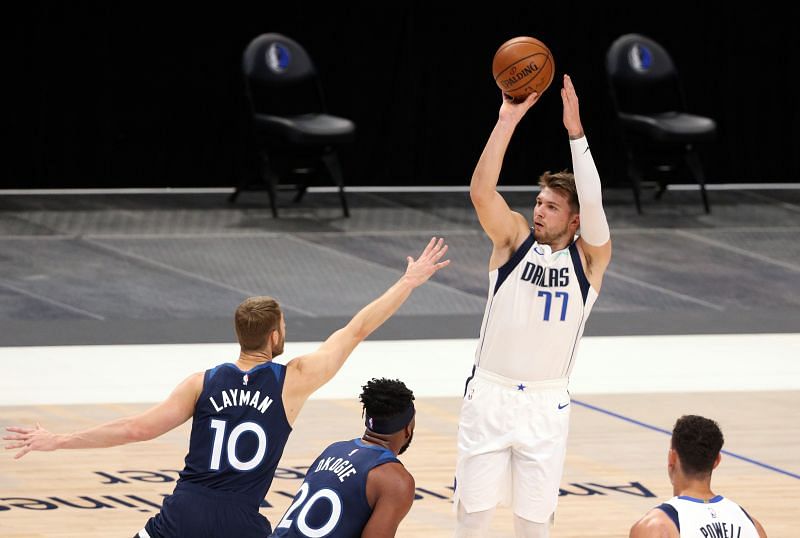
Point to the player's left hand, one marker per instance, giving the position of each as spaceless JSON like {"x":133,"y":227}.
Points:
{"x":572,"y":117}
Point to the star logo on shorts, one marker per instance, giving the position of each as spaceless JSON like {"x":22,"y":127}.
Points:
{"x":520,"y":387}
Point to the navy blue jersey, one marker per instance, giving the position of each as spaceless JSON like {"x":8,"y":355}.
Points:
{"x":332,"y":501}
{"x":239,"y":431}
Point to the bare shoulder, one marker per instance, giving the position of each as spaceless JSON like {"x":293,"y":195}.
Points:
{"x":194,"y":382}
{"x":390,"y":493}
{"x":394,"y":479}
{"x":187,"y":391}
{"x":522,"y":228}
{"x":595,"y":261}
{"x":761,"y":532}
{"x":196,"y":377}
{"x":502,"y":252}
{"x":654,"y":524}
{"x":297,"y":386}
{"x":302,"y":365}
{"x":601,"y":255}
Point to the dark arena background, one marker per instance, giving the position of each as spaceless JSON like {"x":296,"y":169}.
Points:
{"x":137,"y":95}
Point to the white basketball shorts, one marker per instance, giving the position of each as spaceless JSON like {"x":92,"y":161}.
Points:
{"x":512,"y":439}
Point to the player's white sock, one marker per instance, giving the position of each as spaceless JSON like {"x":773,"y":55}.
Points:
{"x":472,"y":525}
{"x":530,"y":529}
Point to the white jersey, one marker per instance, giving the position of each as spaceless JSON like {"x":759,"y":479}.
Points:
{"x":717,"y":517}
{"x":538,"y":304}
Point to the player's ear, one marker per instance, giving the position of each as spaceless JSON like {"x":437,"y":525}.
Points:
{"x":409,"y":429}
{"x":274,"y":337}
{"x":717,"y":460}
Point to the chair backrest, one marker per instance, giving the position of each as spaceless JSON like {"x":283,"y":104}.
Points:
{"x":274,"y":59}
{"x":642,"y":76}
{"x":280,"y":77}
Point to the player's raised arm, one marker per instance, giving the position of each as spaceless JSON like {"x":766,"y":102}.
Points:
{"x":595,"y":238}
{"x":307,"y":373}
{"x":501,"y":224}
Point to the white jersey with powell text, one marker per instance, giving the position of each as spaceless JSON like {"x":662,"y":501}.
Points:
{"x":538,"y":304}
{"x":716,"y":517}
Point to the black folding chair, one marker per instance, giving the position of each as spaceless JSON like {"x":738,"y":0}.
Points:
{"x":297,"y":140}
{"x":660,"y":137}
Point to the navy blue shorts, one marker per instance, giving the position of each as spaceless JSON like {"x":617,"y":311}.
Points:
{"x":201,"y":512}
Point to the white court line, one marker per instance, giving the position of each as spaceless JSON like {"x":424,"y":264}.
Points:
{"x":188,"y":274}
{"x":51,"y":301}
{"x":365,"y":262}
{"x":663,"y":290}
{"x":431,"y":368}
{"x":742,"y":252}
{"x":785,"y":205}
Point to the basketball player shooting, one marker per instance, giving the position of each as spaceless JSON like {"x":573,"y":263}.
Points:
{"x":543,"y":282}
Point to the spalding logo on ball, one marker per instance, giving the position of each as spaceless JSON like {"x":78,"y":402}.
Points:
{"x":523,"y":65}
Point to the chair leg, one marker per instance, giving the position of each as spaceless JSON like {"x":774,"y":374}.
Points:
{"x":242,"y":186}
{"x":331,"y":161}
{"x":301,"y":191}
{"x":635,"y":176}
{"x":696,"y":168}
{"x":271,"y":180}
{"x":661,"y":188}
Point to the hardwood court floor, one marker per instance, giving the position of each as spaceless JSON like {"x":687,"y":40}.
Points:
{"x":615,"y":469}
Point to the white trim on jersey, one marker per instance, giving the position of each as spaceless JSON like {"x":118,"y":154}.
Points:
{"x":717,"y":517}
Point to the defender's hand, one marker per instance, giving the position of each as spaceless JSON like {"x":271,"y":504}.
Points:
{"x":421,"y":269}
{"x":29,"y":439}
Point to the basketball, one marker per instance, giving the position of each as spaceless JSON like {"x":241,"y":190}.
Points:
{"x":521,"y":66}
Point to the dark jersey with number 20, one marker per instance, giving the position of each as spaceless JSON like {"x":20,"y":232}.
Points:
{"x":332,"y":501}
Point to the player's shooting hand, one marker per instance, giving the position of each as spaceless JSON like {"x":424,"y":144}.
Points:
{"x":512,"y":111}
{"x":421,"y":269}
{"x":29,"y":439}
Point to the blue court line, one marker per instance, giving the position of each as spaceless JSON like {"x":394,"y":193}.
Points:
{"x":668,"y":432}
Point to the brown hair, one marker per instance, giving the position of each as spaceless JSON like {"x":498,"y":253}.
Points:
{"x":255,"y":319}
{"x":563,"y":182}
{"x":697,"y":440}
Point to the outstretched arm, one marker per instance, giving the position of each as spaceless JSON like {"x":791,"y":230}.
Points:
{"x":307,"y":373}
{"x":170,"y":413}
{"x":501,"y":224}
{"x":595,"y":238}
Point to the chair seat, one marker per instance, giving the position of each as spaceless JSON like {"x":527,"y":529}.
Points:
{"x":311,"y":129}
{"x":676,"y":127}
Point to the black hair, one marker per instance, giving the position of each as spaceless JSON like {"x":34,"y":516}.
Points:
{"x":384,"y":398}
{"x":697,"y":440}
